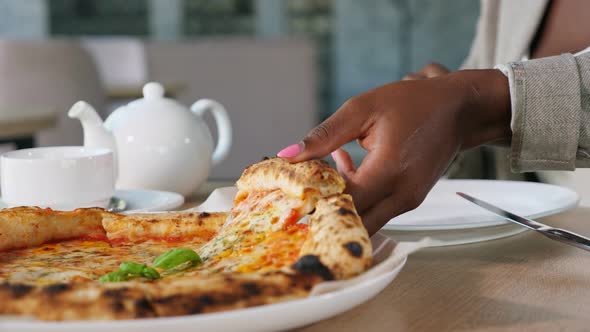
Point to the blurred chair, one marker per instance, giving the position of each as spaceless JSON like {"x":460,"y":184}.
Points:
{"x":39,"y":81}
{"x":121,"y":63}
{"x":267,"y":85}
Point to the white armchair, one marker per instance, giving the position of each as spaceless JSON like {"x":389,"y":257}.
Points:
{"x":39,"y":81}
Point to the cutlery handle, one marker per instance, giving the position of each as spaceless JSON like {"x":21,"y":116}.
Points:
{"x":568,"y":237}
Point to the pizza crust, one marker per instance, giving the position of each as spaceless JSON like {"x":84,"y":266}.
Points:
{"x":169,"y":226}
{"x":338,"y":246}
{"x":293,"y":179}
{"x":89,"y":301}
{"x":220,"y":292}
{"x":25,"y":227}
{"x":163,"y":298}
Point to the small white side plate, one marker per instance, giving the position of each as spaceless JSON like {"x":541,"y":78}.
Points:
{"x":444,"y":210}
{"x":144,"y":200}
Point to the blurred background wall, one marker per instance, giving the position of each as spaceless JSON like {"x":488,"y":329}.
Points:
{"x":361,"y":44}
{"x":353,"y":46}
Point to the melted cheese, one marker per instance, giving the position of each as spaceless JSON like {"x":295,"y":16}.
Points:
{"x":261,"y":234}
{"x":79,"y":260}
{"x":253,"y":217}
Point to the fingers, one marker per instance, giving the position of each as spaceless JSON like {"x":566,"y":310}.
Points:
{"x":393,"y":205}
{"x":344,"y":163}
{"x":429,"y":71}
{"x":372,"y":181}
{"x":347,"y":124}
{"x":413,"y":77}
{"x":381,"y":213}
{"x":434,"y":70}
{"x":365,"y":194}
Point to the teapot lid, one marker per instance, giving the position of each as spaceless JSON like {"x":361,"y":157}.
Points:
{"x":153,"y":98}
{"x":153,"y":90}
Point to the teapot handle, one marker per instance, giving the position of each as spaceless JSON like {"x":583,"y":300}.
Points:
{"x":223,"y":126}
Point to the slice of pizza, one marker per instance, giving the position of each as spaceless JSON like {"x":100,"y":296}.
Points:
{"x":136,"y":238}
{"x":263,"y":251}
{"x":24,"y":227}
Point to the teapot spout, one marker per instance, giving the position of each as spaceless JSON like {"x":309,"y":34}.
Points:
{"x":95,"y":133}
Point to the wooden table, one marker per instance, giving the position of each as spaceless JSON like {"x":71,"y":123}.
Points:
{"x":522,"y":283}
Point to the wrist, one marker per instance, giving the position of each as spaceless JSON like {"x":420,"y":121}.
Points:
{"x":486,"y":111}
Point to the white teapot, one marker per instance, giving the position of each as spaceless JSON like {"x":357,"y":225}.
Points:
{"x":158,"y":143}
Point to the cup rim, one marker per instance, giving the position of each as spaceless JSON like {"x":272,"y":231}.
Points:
{"x":37,"y":153}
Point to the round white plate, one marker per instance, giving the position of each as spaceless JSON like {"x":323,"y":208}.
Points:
{"x":444,"y":210}
{"x":452,"y":237}
{"x":149,"y":200}
{"x":144,"y":200}
{"x":272,"y":317}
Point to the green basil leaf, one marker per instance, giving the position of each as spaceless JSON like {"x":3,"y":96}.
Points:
{"x":150,"y":273}
{"x":176,"y":257}
{"x":132,"y":267}
{"x":115,"y":276}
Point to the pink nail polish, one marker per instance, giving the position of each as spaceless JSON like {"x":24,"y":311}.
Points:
{"x":291,"y":151}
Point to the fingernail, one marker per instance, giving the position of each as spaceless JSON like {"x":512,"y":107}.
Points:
{"x":333,"y":154}
{"x":291,"y":151}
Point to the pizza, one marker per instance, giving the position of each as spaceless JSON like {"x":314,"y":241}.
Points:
{"x":291,"y":227}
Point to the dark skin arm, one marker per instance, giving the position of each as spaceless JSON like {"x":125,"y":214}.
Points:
{"x":412,"y":130}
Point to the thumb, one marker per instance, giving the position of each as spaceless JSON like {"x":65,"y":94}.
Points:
{"x":347,"y":124}
{"x":433,"y":70}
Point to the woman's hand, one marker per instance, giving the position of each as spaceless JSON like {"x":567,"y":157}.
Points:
{"x":429,"y":71}
{"x":412,"y":130}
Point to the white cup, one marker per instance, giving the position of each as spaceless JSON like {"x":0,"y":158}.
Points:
{"x":61,"y":178}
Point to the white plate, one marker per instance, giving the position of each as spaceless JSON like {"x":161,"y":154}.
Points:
{"x":444,"y":210}
{"x":273,"y":317}
{"x":452,"y":237}
{"x":144,"y":200}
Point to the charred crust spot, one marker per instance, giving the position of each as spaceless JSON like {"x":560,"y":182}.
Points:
{"x":311,"y":264}
{"x":56,"y":288}
{"x":206,"y":300}
{"x":116,"y":294}
{"x":251,"y":288}
{"x":345,"y":212}
{"x":17,"y":290}
{"x":354,"y":248}
{"x":265,"y":158}
{"x":118,"y":306}
{"x":204,"y":215}
{"x":312,"y":211}
{"x":143,"y":307}
{"x":166,"y":300}
{"x":188,"y":304}
{"x":152,"y":221}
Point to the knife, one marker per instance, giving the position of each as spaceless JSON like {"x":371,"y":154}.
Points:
{"x":557,"y":234}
